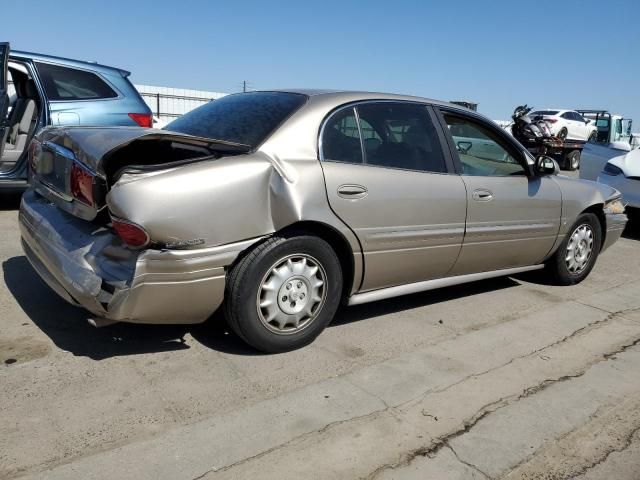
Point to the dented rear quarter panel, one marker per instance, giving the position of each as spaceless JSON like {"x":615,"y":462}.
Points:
{"x":220,"y":201}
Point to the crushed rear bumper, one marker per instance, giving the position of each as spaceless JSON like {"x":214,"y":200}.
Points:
{"x":87,"y":265}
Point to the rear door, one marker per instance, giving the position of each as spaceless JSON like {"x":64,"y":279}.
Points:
{"x":4,"y":94}
{"x":513,"y":219}
{"x":390,"y":180}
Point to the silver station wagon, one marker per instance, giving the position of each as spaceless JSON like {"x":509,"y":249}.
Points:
{"x":277,"y":206}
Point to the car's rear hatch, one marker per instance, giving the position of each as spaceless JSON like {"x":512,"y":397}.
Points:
{"x":74,"y":167}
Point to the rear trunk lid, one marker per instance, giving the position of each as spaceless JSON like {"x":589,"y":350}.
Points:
{"x":74,"y":167}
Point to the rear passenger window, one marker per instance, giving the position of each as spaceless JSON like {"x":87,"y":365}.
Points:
{"x":341,"y":138}
{"x":63,"y":83}
{"x":400,"y":135}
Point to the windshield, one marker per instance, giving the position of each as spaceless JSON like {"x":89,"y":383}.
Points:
{"x":246,"y":118}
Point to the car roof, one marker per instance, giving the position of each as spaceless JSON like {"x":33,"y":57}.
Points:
{"x":345,"y":96}
{"x":67,"y":61}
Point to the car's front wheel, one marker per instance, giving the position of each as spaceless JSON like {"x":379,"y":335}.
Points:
{"x":577,"y":254}
{"x":281,"y":295}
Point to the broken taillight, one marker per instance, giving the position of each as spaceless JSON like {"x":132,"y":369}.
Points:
{"x":142,"y":119}
{"x":31,"y":154}
{"x":130,"y":233}
{"x":82,"y":184}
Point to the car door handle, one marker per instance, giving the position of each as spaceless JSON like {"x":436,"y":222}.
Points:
{"x":482,"y":195}
{"x":352,"y":191}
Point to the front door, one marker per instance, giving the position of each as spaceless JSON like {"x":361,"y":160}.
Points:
{"x":389,"y":179}
{"x":4,"y":94}
{"x":513,"y":219}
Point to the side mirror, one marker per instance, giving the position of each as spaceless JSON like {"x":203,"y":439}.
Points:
{"x":587,"y":121}
{"x":546,"y":166}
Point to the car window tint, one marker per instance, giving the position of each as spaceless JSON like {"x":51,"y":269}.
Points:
{"x":544,"y":112}
{"x":482,"y":152}
{"x":400,"y":135}
{"x":62,"y":83}
{"x":341,"y":138}
{"x":247,"y":118}
{"x":578,"y":117}
{"x":566,"y":115}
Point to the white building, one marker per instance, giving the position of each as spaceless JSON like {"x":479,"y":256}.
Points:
{"x":168,"y":103}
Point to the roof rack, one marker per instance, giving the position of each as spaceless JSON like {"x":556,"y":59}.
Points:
{"x":603,"y":112}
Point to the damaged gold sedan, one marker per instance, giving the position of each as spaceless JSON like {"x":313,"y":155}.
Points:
{"x":277,"y":206}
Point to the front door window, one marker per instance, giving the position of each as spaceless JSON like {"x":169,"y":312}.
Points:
{"x":481,"y":151}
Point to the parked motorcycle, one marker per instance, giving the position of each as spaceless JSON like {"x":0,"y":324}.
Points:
{"x":527,"y":130}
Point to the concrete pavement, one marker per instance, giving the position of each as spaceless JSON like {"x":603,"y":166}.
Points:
{"x":509,"y":378}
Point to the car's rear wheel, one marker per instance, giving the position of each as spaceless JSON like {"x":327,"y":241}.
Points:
{"x":281,"y":295}
{"x":576,"y":256}
{"x":572,"y":160}
{"x":562,"y":134}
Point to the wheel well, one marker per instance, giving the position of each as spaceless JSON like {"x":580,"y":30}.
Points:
{"x":598,"y":211}
{"x":337,"y":242}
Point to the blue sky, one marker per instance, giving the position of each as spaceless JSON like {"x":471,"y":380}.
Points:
{"x":580,"y":53}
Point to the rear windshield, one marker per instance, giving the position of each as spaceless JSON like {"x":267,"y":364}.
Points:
{"x":247,"y":118}
{"x":545,"y":112}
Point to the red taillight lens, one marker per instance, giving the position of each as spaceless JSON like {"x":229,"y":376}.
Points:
{"x":142,"y":119}
{"x":31,"y":155}
{"x":551,"y":120}
{"x":81,"y":184}
{"x":130,"y":233}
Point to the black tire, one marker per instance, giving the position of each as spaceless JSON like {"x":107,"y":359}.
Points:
{"x":244,"y":281}
{"x":562,"y":134}
{"x":572,"y":160}
{"x":557,"y":265}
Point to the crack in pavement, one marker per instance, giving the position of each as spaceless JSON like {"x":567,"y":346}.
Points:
{"x":589,"y":327}
{"x":468,"y":464}
{"x":574,"y":453}
{"x":440,"y":442}
{"x":628,"y":440}
{"x":293,"y":440}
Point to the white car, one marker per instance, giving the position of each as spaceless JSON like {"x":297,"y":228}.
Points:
{"x":567,"y":124}
{"x":621,"y":172}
